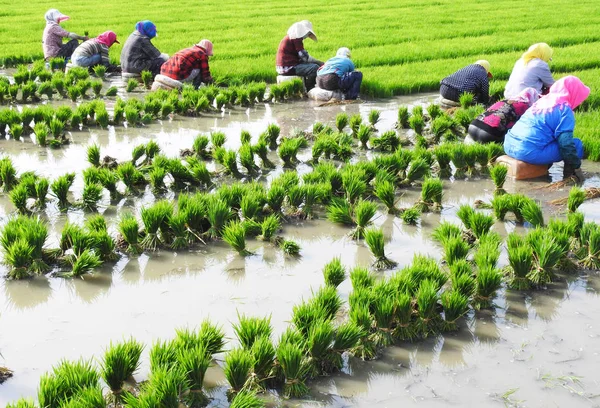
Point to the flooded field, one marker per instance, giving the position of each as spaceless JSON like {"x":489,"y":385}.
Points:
{"x":534,"y":349}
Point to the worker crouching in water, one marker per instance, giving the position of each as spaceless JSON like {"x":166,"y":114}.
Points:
{"x":492,"y":125}
{"x":544,"y":134}
{"x":52,"y":39}
{"x":190,"y":65}
{"x":339,"y":73}
{"x":473,"y":79}
{"x":95,"y":52}
{"x":139,"y":54}
{"x":293,"y":59}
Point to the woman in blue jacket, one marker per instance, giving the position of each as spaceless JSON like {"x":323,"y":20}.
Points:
{"x":544,"y":134}
{"x":339,"y":73}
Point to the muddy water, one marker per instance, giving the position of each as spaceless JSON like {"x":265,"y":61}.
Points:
{"x":537,"y":343}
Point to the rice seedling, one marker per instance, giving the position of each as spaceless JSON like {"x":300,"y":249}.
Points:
{"x":520,"y":259}
{"x":129,"y":230}
{"x":58,"y":84}
{"x":93,"y":155}
{"x":488,"y":252}
{"x":427,"y":298}
{"x":60,"y":188}
{"x":576,"y":197}
{"x":269,"y":227}
{"x":480,"y":224}
{"x":199,"y":146}
{"x":22,"y":403}
{"x":218,"y":139}
{"x":341,"y":121}
{"x":111,"y":91}
{"x":18,"y":255}
{"x":455,"y":249}
{"x":155,"y":218}
{"x":65,"y":382}
{"x":237,"y":369}
{"x":247,"y":158}
{"x":289,"y":247}
{"x":364,"y":211}
{"x":234,"y":234}
{"x":461,"y":278}
{"x":18,"y":197}
{"x":334,"y":272}
{"x":466,"y":100}
{"x":431,"y":195}
{"x":498,"y":174}
{"x":417,"y":123}
{"x":83,"y":264}
{"x":375,"y":241}
{"x":16,"y":131}
{"x":120,"y":362}
{"x":364,"y":135}
{"x":45,"y":88}
{"x":131,"y":85}
{"x":446,"y":231}
{"x":589,"y":253}
{"x":487,"y":282}
{"x":178,"y":231}
{"x":419,"y":168}
{"x":532,"y":213}
{"x":374,"y":116}
{"x":403,"y":117}
{"x":355,"y":122}
{"x":434,"y":111}
{"x":272,"y":134}
{"x":290,"y":357}
{"x":194,"y":362}
{"x":132,"y":115}
{"x":164,"y":388}
{"x":218,"y":213}
{"x":384,"y":307}
{"x":340,"y":212}
{"x":410,"y":216}
{"x":28,"y":91}
{"x":163,"y":354}
{"x":230,"y":163}
{"x":250,"y":329}
{"x":100,"y":71}
{"x":386,"y":192}
{"x":92,"y":193}
{"x":8,"y":174}
{"x":246,"y":399}
{"x":41,"y":191}
{"x":57,"y":128}
{"x":146,"y":77}
{"x":455,"y":305}
{"x":288,"y":149}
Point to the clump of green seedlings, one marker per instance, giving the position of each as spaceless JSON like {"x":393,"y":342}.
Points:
{"x":466,"y":100}
{"x":498,"y":174}
{"x":431,"y":195}
{"x":376,"y":243}
{"x":131,"y":85}
{"x":234,"y":234}
{"x":341,"y":121}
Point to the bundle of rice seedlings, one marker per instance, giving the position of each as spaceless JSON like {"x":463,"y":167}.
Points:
{"x":446,"y":231}
{"x":250,"y":329}
{"x":230,"y":163}
{"x":334,"y":272}
{"x":22,"y":403}
{"x":269,"y":227}
{"x":18,"y":197}
{"x":532,"y":213}
{"x":375,"y":241}
{"x":355,"y":122}
{"x":57,"y":128}
{"x":288,"y":149}
{"x":65,"y":382}
{"x":384,"y":309}
{"x":354,"y":186}
{"x":374,"y":116}
{"x":100,"y":71}
{"x":194,"y":362}
{"x":218,"y":213}
{"x":410,"y":216}
{"x":488,"y":251}
{"x":111,"y":91}
{"x":501,"y":205}
{"x":96,"y":223}
{"x":434,"y":111}
{"x":455,"y":249}
{"x":247,"y":399}
{"x":247,"y":158}
{"x":364,"y":211}
{"x":576,"y":197}
{"x":18,"y":255}
{"x":461,"y":278}
{"x":8,"y":174}
{"x":319,"y":342}
{"x":102,"y":118}
{"x":245,"y":137}
{"x":386,"y":192}
{"x":154,"y":218}
{"x":129,"y":230}
{"x":520,"y":259}
{"x":120,"y":362}
{"x":45,"y":88}
{"x":466,"y":100}
{"x":234,"y":234}
{"x":480,"y":224}
{"x":361,"y":317}
{"x":42,"y":186}
{"x":237,"y":369}
{"x":417,"y":123}
{"x":488,"y":280}
{"x":290,"y":358}
{"x":262,"y":151}
{"x":341,"y":121}
{"x":289,"y":247}
{"x":431,"y":195}
{"x":16,"y":130}
{"x":60,"y":188}
{"x":131,"y":85}
{"x":97,"y":88}
{"x":163,"y":354}
{"x":179,"y":231}
{"x":41,"y":133}
{"x":83,"y":264}
{"x":427,"y":298}
{"x":93,"y":155}
{"x":498,"y":174}
{"x":419,"y":168}
{"x":218,"y":139}
{"x":146,"y":79}
{"x":340,"y":212}
{"x":589,"y":253}
{"x":271,"y":135}
{"x":92,"y":193}
{"x":455,"y":305}
{"x":164,"y":388}
{"x":403,"y":117}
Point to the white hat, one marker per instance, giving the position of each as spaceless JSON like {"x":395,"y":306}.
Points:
{"x":343,"y":52}
{"x":302,"y":29}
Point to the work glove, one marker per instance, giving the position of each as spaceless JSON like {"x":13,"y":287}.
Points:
{"x":569,"y":171}
{"x":579,"y":174}
{"x":164,"y":56}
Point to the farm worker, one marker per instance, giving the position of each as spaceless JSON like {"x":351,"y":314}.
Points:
{"x":293,"y":59}
{"x":544,"y":134}
{"x":531,"y":71}
{"x":52,"y":40}
{"x":95,"y":52}
{"x":492,"y":125}
{"x":190,"y":64}
{"x":338,"y":73}
{"x":139,"y":54}
{"x":472,"y":79}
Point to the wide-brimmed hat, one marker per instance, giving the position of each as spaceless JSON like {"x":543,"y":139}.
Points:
{"x":207,"y":45}
{"x":302,"y":29}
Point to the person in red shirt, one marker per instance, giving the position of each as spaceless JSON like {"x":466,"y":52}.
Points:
{"x":190,"y":64}
{"x":293,"y":59}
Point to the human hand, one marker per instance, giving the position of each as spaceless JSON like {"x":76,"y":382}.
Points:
{"x":579,"y":174}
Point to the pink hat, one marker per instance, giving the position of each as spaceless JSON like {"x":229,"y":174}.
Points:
{"x":107,"y":38}
{"x":207,"y":45}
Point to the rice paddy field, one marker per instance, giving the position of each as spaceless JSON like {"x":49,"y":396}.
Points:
{"x":240,"y":246}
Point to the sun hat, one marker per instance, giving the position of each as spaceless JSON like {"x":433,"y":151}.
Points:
{"x":207,"y":45}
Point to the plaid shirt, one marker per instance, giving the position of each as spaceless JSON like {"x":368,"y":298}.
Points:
{"x":138,"y":53}
{"x":472,"y":79}
{"x":181,"y":64}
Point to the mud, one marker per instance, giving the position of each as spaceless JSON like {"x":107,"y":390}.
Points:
{"x":535,"y":349}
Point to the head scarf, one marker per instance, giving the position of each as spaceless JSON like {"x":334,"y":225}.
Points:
{"x":528,"y":96}
{"x":343,"y":52}
{"x":207,"y":45}
{"x":566,"y":91}
{"x":146,"y":28}
{"x":539,"y":50}
{"x":485,"y":64}
{"x":302,"y":29}
{"x":53,"y":16}
{"x":107,"y":38}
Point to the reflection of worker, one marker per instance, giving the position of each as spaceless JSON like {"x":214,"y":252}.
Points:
{"x":139,"y":54}
{"x":544,"y":134}
{"x":492,"y":125}
{"x":293,"y":59}
{"x":474,"y":79}
{"x":531,"y":71}
{"x":52,"y":40}
{"x":95,"y":52}
{"x":190,"y":64}
{"x":338,"y":73}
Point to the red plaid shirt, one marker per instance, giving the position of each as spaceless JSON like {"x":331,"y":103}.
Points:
{"x":181,"y":64}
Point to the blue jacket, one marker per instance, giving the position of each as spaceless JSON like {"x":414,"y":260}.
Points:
{"x":336,"y":65}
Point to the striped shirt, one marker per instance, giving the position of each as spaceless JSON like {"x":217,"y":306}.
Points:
{"x":470,"y":79}
{"x":90,"y":48}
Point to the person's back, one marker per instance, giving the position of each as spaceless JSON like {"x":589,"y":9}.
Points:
{"x":89,"y":48}
{"x":138,"y":53}
{"x":336,"y":65}
{"x":535,"y":74}
{"x":472,"y":79}
{"x":181,"y":64}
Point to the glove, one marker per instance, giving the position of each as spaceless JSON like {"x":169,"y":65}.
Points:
{"x":164,"y":56}
{"x":579,"y":174}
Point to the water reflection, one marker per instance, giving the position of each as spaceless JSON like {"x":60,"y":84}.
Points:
{"x":485,"y":328}
{"x":27,"y":293}
{"x":90,"y":288}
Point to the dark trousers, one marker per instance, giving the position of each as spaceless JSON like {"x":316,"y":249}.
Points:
{"x":449,"y":93}
{"x":308,"y":71}
{"x":67,"y":49}
{"x":349,"y":83}
{"x":483,"y":136}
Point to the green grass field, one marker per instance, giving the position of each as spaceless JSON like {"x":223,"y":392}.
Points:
{"x":402,"y":46}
